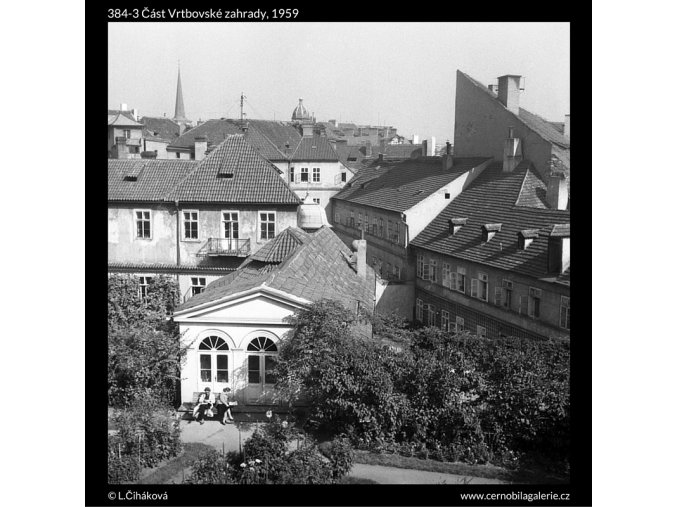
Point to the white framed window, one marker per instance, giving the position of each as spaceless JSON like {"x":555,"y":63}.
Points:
{"x":230,"y":224}
{"x":267,"y":224}
{"x":316,"y":174}
{"x":197,"y":284}
{"x":143,"y":224}
{"x":565,"y":313}
{"x":503,"y":294}
{"x":460,"y":279}
{"x":431,"y":315}
{"x":481,"y":332}
{"x":531,"y":304}
{"x":190,"y":224}
{"x":359,"y":220}
{"x":144,"y":281}
{"x":343,"y":177}
{"x":433,"y":270}
{"x":304,"y":174}
{"x":291,"y":175}
{"x":444,"y":320}
{"x":419,"y":310}
{"x":127,"y":133}
{"x":352,"y":219}
{"x":316,"y":200}
{"x":446,"y":275}
{"x":460,"y":324}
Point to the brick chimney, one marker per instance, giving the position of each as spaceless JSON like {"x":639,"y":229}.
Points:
{"x":567,"y":125}
{"x":367,"y":149}
{"x":360,"y":249}
{"x":307,"y":129}
{"x":200,"y":147}
{"x":509,"y":92}
{"x":512,"y":151}
{"x":424,"y":148}
{"x":557,"y":193}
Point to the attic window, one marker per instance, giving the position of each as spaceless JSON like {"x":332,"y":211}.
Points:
{"x":225,"y":175}
{"x":525,"y":237}
{"x":455,"y":225}
{"x":489,"y":231}
{"x":447,"y":195}
{"x":352,"y":159}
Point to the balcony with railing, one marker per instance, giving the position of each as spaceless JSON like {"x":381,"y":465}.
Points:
{"x":229,"y":247}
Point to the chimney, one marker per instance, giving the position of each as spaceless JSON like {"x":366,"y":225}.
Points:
{"x":447,"y":158}
{"x":567,"y":125}
{"x":557,"y":193}
{"x":123,"y":107}
{"x":367,"y":149}
{"x":509,"y":92}
{"x":200,"y":147}
{"x":414,"y":139}
{"x":433,"y":146}
{"x":559,"y":257}
{"x":307,"y":129}
{"x":424,"y":149}
{"x":360,"y":248}
{"x":512,"y":151}
{"x":135,"y":114}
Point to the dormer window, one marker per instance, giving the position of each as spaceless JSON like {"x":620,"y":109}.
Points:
{"x":525,"y":238}
{"x":455,"y":225}
{"x":489,"y":231}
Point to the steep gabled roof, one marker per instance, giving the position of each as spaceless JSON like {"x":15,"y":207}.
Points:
{"x":541,"y":126}
{"x":145,"y":180}
{"x":122,"y":120}
{"x":404,"y":184}
{"x":315,"y":268}
{"x":164,"y":128}
{"x":234,"y":172}
{"x":493,"y":198}
{"x":214,"y":130}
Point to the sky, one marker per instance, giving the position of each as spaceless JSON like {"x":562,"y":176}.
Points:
{"x":399,"y":74}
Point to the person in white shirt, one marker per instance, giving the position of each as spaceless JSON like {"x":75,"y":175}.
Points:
{"x":204,"y":404}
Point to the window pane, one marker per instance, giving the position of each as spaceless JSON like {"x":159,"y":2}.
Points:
{"x":222,"y":375}
{"x":270,"y":377}
{"x":221,"y":362}
{"x":254,"y":370}
{"x":205,"y":362}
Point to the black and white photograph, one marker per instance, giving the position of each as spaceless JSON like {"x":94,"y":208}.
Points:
{"x":338,"y":254}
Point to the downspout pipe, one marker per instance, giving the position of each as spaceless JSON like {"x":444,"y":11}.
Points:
{"x":178,"y":233}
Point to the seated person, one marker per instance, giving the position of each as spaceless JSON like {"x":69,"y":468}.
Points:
{"x":204,"y":403}
{"x":226,"y":404}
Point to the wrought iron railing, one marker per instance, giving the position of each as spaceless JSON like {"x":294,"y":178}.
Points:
{"x":225,"y":246}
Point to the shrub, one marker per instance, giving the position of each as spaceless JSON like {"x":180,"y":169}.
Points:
{"x":148,"y":432}
{"x":211,"y":467}
{"x":341,"y":456}
{"x":305,"y":466}
{"x":121,"y":469}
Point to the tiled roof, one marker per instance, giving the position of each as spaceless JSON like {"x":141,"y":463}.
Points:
{"x":492,"y":198}
{"x":264,"y":146}
{"x":214,"y":130}
{"x":115,"y":112}
{"x":405,"y":184}
{"x":316,"y":269}
{"x":277,"y":132}
{"x":234,"y":172}
{"x":281,"y":247}
{"x":532,"y":193}
{"x":163,"y":268}
{"x":164,"y":128}
{"x":154,"y":178}
{"x":121,"y":120}
{"x":539,"y":125}
{"x":314,"y":148}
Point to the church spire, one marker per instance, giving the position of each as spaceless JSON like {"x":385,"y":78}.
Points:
{"x":179,"y":111}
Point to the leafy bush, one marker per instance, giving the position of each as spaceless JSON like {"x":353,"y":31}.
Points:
{"x":121,"y":469}
{"x":306,"y":466}
{"x":341,"y":456}
{"x":147,"y":432}
{"x":211,"y":467}
{"x":448,"y":396}
{"x":144,"y":351}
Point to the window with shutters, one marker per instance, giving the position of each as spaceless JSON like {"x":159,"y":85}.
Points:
{"x":304,"y":174}
{"x":534,"y":303}
{"x":419,"y":310}
{"x":433,"y":270}
{"x":460,"y":323}
{"x":460,"y":279}
{"x":565,"y":313}
{"x":444,"y":320}
{"x":446,"y":275}
{"x":431,"y":315}
{"x":481,"y":332}
{"x":426,"y":269}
